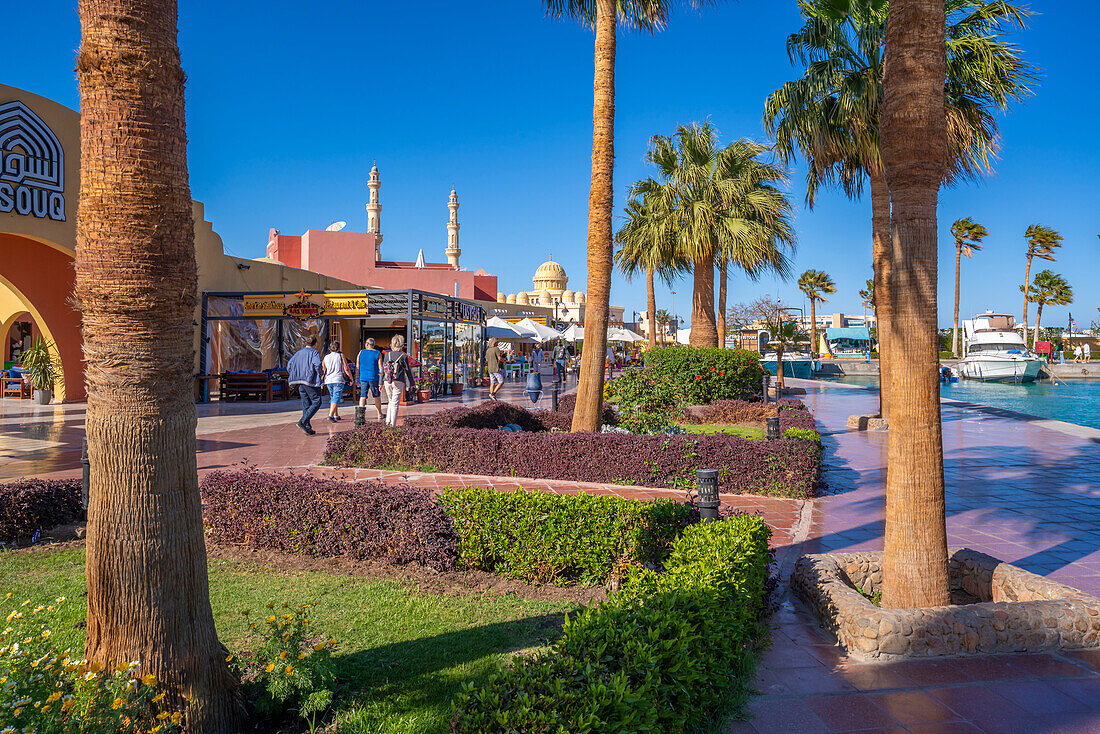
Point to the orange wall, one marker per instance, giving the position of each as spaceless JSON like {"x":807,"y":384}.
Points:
{"x":44,"y":276}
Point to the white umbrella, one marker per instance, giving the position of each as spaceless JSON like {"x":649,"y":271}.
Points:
{"x":501,"y":329}
{"x":574,"y":333}
{"x":420,"y":260}
{"x":623,"y":334}
{"x":537,"y":330}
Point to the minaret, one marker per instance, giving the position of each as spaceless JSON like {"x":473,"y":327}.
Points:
{"x":453,"y":250}
{"x":374,"y":212}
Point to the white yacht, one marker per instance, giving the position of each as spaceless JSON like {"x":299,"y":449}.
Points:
{"x":995,"y":352}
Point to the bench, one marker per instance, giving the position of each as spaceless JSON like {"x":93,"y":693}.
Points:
{"x":236,"y":385}
{"x":14,"y":387}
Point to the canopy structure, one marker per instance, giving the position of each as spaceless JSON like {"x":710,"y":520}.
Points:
{"x":856,"y":333}
{"x":527,"y":327}
{"x":623,"y":334}
{"x":501,"y":329}
{"x":574,"y":333}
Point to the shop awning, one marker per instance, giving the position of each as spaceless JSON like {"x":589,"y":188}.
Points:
{"x":855,"y":333}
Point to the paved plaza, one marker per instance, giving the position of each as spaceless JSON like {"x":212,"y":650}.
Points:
{"x":1022,"y":490}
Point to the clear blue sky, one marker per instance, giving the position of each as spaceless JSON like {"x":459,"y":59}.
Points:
{"x":288,"y":104}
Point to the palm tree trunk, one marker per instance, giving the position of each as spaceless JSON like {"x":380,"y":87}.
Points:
{"x":882,"y":263}
{"x":136,"y":283}
{"x":723,"y":275}
{"x":651,"y":304}
{"x":813,"y":328}
{"x":1027,"y":280}
{"x":1038,"y":317}
{"x":913,"y":134}
{"x":958,"y":268}
{"x":704,"y":331}
{"x":586,"y":416}
{"x":778,"y":371}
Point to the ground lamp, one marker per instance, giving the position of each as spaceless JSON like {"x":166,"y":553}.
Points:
{"x":706,"y":482}
{"x":772,"y":422}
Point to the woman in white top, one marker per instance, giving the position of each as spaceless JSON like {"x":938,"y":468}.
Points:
{"x":336,"y":374}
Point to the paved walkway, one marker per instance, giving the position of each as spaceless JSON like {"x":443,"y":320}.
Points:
{"x":1024,"y":491}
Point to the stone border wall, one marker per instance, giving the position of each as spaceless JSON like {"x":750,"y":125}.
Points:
{"x":1019,"y":611}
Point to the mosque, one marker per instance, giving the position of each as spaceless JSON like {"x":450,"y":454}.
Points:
{"x":550,"y":294}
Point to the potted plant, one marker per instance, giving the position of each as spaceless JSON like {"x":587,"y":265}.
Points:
{"x":423,"y":389}
{"x":456,"y":388}
{"x":42,"y":369}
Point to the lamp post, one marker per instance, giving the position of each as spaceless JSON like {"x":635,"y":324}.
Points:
{"x":675,"y":323}
{"x":706,"y":482}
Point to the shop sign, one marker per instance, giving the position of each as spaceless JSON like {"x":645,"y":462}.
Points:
{"x":304,"y":310}
{"x":433,"y":307}
{"x":32,"y":165}
{"x":304,"y":306}
{"x":468,"y":312}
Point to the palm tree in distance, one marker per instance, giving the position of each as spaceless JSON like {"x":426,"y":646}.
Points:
{"x":968,"y":236}
{"x":1048,"y":289}
{"x":603,"y":16}
{"x":645,"y":244}
{"x":832,"y":112}
{"x":1042,"y":241}
{"x":136,"y":284}
{"x":867,"y":296}
{"x":722,"y":204}
{"x":815,"y":284}
{"x":663,"y":318}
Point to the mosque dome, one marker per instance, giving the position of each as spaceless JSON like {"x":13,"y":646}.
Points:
{"x":567,"y":296}
{"x":511,"y":298}
{"x":521,"y":297}
{"x":544,"y":297}
{"x":501,"y":298}
{"x":579,"y":297}
{"x":550,"y":276}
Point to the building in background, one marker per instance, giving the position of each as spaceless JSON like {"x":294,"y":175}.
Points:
{"x":550,"y":301}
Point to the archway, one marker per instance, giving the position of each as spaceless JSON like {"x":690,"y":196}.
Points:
{"x":37,"y":277}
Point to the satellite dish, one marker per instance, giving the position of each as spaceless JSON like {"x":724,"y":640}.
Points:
{"x":336,"y":226}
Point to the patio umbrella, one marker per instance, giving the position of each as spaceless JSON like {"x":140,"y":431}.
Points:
{"x":574,"y":333}
{"x":623,"y":334}
{"x":537,"y":330}
{"x":501,"y":329}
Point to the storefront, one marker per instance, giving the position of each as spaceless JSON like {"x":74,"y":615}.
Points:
{"x":256,"y":332}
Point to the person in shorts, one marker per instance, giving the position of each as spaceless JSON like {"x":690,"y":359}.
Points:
{"x":492,"y":363}
{"x":369,"y":366}
{"x":336,"y":376}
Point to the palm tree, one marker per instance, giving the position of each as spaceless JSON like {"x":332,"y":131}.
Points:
{"x":867,"y":295}
{"x":832,"y":113}
{"x":1048,"y":288}
{"x":136,"y":283}
{"x":968,"y":236}
{"x":1041,"y":243}
{"x":602,"y":16}
{"x":663,"y":318}
{"x":915,"y":149}
{"x":785,"y":333}
{"x":723,"y":205}
{"x":815,"y":284}
{"x":646,"y":245}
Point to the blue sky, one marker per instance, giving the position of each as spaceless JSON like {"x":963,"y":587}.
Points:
{"x":288,"y":108}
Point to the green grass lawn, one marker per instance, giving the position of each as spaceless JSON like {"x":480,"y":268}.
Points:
{"x":403,"y":654}
{"x":742,"y":431}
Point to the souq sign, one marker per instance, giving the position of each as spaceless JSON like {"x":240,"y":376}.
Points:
{"x":32,"y":165}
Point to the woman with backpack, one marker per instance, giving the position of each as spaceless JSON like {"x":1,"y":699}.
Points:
{"x":396,"y":376}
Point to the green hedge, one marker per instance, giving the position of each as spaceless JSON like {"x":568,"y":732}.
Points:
{"x":549,"y":538}
{"x":659,"y":656}
{"x":703,"y":374}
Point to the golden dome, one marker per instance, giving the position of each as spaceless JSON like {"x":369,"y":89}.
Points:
{"x":550,"y":269}
{"x":521,"y":297}
{"x":550,"y":276}
{"x":511,"y":298}
{"x":567,"y":296}
{"x":544,"y":297}
{"x":501,"y":298}
{"x":579,"y":297}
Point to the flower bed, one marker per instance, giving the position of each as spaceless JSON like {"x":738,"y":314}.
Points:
{"x":659,"y":656}
{"x":327,"y":517}
{"x":541,"y":537}
{"x":31,"y":505}
{"x":704,"y":374}
{"x":497,"y":414}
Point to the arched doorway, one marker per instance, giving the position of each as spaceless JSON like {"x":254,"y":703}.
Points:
{"x":36,"y":281}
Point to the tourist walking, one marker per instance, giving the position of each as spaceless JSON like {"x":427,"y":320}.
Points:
{"x":397,"y":375}
{"x":1077,"y":353}
{"x":1086,"y":351}
{"x":368,"y":364}
{"x":492,"y":363}
{"x":336,"y":376}
{"x":537,"y":355}
{"x":610,"y":358}
{"x":561,"y":354}
{"x":304,"y":370}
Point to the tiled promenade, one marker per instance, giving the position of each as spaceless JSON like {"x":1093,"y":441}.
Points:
{"x":1017,"y":489}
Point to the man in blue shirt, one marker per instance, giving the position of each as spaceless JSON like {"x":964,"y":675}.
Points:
{"x":369,"y":364}
{"x":304,"y":370}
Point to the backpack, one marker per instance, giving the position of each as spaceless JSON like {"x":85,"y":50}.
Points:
{"x":387,"y":369}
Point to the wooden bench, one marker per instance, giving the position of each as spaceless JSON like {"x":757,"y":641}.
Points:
{"x":236,"y":385}
{"x":14,"y":387}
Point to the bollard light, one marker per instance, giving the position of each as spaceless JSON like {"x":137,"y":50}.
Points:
{"x":554,"y":396}
{"x":772,"y":422}
{"x":86,"y":474}
{"x":765,"y":393}
{"x":360,"y":416}
{"x":706,"y":482}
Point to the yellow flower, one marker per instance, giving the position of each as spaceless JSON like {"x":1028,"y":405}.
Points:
{"x":157,"y":698}
{"x":301,"y":656}
{"x":319,"y":646}
{"x":332,"y":641}
{"x":149,"y":679}
{"x":228,"y":658}
{"x":46,"y":707}
{"x":116,"y":704}
{"x":17,"y":711}
{"x":96,"y":667}
{"x":282,"y":655}
{"x":289,"y":670}
{"x":270,"y":667}
{"x":156,"y":728}
{"x":271,"y":618}
{"x":53,"y":697}
{"x":162,"y":715}
{"x":177,"y":717}
{"x":68,"y":704}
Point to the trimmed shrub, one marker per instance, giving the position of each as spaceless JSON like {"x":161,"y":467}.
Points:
{"x":27,"y":505}
{"x":645,"y":403}
{"x":703,"y":374}
{"x":326,"y":517}
{"x":497,"y":414}
{"x":660,"y":655}
{"x":783,"y":467}
{"x":549,"y":538}
{"x":807,"y":434}
{"x":792,"y":413}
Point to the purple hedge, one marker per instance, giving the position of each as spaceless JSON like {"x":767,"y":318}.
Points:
{"x":786,"y":467}
{"x":326,"y":517}
{"x":792,"y":413}
{"x":495,"y":415}
{"x":27,"y":505}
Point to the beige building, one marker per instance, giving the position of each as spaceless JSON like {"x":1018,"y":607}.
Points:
{"x":550,"y":298}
